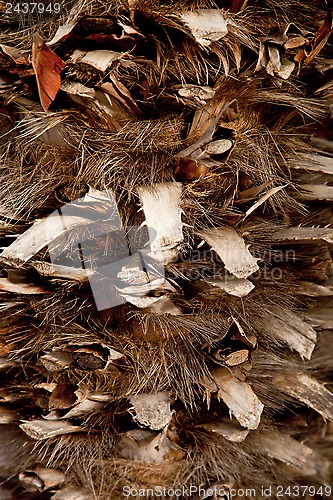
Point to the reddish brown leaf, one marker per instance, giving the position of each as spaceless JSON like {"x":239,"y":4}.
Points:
{"x":47,"y":66}
{"x":321,"y":38}
{"x":237,"y":5}
{"x":324,"y":30}
{"x":63,"y":396}
{"x":189,"y":170}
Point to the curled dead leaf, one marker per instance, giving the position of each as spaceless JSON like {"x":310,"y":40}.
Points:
{"x":47,"y":66}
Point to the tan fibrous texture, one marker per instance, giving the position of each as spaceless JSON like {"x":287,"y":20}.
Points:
{"x":206,"y":128}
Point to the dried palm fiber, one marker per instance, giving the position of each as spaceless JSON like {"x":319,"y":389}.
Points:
{"x":217,"y":374}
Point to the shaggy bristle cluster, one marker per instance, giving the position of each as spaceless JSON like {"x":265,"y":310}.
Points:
{"x":166,"y":286}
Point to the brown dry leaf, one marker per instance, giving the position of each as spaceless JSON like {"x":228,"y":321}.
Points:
{"x":321,"y":37}
{"x":262,"y":57}
{"x":303,"y":234}
{"x":141,"y":295}
{"x":84,"y":407}
{"x":45,"y":231}
{"x":187,"y":169}
{"x":50,"y":477}
{"x":59,"y":271}
{"x":286,"y":68}
{"x":164,"y":306}
{"x":289,"y":327}
{"x":313,"y":290}
{"x":107,"y":110}
{"x":31,"y":482}
{"x":241,"y":336}
{"x":47,"y":66}
{"x":270,"y":55}
{"x":231,"y":248}
{"x":315,"y":192}
{"x":239,"y":397}
{"x":308,"y":390}
{"x":199,"y":93}
{"x":147,"y":446}
{"x":249,"y":194}
{"x":295,"y":42}
{"x":39,"y":235}
{"x":25,"y":288}
{"x":15,"y":54}
{"x":206,"y":25}
{"x":117,"y":90}
{"x":205,"y":121}
{"x":283,"y":447}
{"x":233,"y":359}
{"x":63,"y":396}
{"x":314,"y":163}
{"x":40,"y":479}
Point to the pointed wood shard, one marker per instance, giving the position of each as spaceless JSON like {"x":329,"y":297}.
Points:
{"x":315,"y":192}
{"x":313,"y":163}
{"x":161,"y":206}
{"x":231,"y":248}
{"x":232,"y":285}
{"x":44,"y":429}
{"x":289,"y":327}
{"x":309,"y":391}
{"x":239,"y":397}
{"x":206,"y":25}
{"x":39,"y":235}
{"x":231,"y":431}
